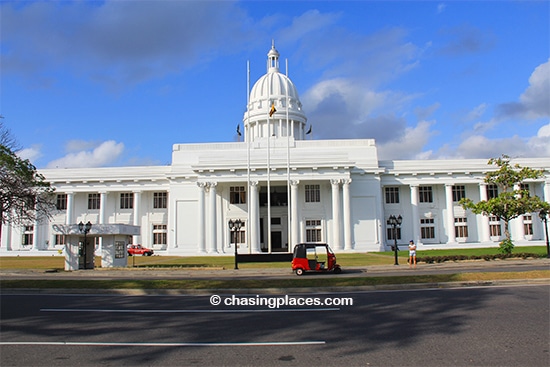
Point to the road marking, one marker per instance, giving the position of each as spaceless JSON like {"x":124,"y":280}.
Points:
{"x":88,"y":310}
{"x":205,"y":344}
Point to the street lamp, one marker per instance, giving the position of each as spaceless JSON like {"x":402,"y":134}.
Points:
{"x":84,"y":228}
{"x":395,"y":222}
{"x":543,"y":215}
{"x":235,"y":227}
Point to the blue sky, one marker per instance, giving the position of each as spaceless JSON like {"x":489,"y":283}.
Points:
{"x":113,"y":83}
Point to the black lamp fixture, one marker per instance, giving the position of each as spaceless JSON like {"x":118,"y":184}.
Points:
{"x":85,"y":229}
{"x":235,"y":228}
{"x":543,"y":215}
{"x":395,"y":222}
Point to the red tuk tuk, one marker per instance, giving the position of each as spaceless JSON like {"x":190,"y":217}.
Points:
{"x":315,"y":257}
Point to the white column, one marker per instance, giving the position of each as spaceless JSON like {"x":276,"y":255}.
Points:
{"x":546,"y":189}
{"x":102,"y":210}
{"x":516,"y":225}
{"x":450,"y":213}
{"x":212,"y":217}
{"x":347,"y":214}
{"x":103,"y":206}
{"x":202,"y":228}
{"x":254,"y":225}
{"x":415,"y":217}
{"x":70,"y":208}
{"x":336,"y":213}
{"x":484,"y":235}
{"x":137,"y":215}
{"x":295,"y":220}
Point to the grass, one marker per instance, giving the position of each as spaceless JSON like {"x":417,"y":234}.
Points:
{"x":345,"y":259}
{"x":56,"y":263}
{"x":261,"y":283}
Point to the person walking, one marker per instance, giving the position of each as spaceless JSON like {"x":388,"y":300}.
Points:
{"x":412,"y":254}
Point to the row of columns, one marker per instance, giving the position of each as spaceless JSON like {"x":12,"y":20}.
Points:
{"x":69,"y":219}
{"x":484,"y":234}
{"x":208,"y":219}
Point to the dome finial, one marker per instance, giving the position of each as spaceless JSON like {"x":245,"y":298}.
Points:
{"x":273,"y":59}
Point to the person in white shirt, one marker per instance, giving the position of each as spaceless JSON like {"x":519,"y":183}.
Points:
{"x":412,"y":254}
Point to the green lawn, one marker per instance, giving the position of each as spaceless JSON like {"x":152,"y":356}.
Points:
{"x":346,"y":260}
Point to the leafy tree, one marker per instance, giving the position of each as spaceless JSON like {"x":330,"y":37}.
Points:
{"x":25,"y":195}
{"x":512,"y":200}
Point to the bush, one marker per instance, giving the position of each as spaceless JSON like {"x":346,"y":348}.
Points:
{"x":506,"y":246}
{"x":501,"y":256}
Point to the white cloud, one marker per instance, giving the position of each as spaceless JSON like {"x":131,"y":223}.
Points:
{"x":476,"y":112}
{"x":102,"y":155}
{"x":535,"y":101}
{"x":308,"y":22}
{"x":441,"y":8}
{"x":409,"y":145}
{"x":32,"y":153}
{"x":117,"y":43}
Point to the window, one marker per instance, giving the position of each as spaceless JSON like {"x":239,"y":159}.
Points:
{"x":60,"y":239}
{"x":461,"y":227}
{"x":495,"y":228}
{"x":527,"y":225}
{"x":237,"y":195}
{"x":160,"y":200}
{"x":397,"y":233}
{"x":127,"y":200}
{"x":459,"y":192}
{"x":525,"y":188}
{"x":492,"y":191}
{"x":159,"y":234}
{"x":427,"y":228}
{"x":425,"y":194}
{"x":313,"y":193}
{"x":313,"y":230}
{"x":28,"y":235}
{"x":94,"y":201}
{"x":61,"y":203}
{"x":392,"y":195}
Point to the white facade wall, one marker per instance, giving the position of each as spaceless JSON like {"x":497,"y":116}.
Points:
{"x":350,"y":215}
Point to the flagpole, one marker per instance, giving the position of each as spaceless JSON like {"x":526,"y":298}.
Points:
{"x":248,"y":226}
{"x":288,"y":198}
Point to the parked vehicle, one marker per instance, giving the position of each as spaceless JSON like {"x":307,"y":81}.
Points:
{"x":139,"y":250}
{"x":314,"y":257}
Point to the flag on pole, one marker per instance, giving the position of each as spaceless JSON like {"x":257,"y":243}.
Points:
{"x":239,"y":129}
{"x":272,"y":110}
{"x":309,"y":131}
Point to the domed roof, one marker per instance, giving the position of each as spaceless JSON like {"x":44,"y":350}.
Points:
{"x":273,"y":85}
{"x":274,"y":88}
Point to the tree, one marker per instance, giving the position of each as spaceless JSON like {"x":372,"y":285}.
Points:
{"x":25,"y":196}
{"x":512,"y":201}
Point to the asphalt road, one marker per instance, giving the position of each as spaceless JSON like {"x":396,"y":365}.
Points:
{"x":478,"y":326}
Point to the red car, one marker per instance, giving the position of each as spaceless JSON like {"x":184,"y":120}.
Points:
{"x":139,"y":250}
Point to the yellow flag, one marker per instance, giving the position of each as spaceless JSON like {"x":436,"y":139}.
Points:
{"x":272,"y":110}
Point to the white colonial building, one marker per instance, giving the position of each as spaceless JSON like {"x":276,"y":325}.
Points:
{"x":285,"y":188}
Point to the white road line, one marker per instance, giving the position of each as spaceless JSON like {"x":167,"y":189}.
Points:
{"x":206,"y":344}
{"x":187,"y":311}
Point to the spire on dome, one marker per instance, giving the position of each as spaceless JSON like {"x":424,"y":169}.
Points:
{"x":273,"y":59}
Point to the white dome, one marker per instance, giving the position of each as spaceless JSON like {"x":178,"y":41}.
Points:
{"x":274,"y":88}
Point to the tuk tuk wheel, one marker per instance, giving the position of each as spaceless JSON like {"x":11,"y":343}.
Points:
{"x":337,"y":270}
{"x":299,"y":271}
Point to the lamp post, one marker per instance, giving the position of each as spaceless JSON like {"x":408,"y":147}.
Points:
{"x":543,"y":215}
{"x":235,"y":227}
{"x":84,"y":228}
{"x":395,"y":222}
